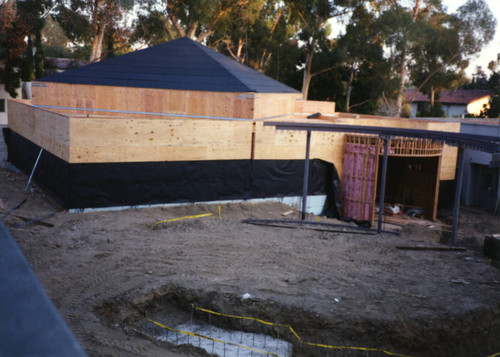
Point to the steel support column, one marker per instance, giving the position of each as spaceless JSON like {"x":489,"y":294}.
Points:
{"x":458,"y":192}
{"x":306,"y":176}
{"x":382,"y":183}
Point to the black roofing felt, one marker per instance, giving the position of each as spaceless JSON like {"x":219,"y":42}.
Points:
{"x":179,"y":64}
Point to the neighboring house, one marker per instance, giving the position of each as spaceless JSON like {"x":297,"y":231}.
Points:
{"x":456,"y":104}
{"x":481,"y":186}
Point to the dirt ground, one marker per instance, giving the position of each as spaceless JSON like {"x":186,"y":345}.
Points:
{"x":108,"y":271}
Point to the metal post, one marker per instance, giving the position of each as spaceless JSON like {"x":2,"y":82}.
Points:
{"x":33,"y":171}
{"x":306,"y":176}
{"x":382,"y":183}
{"x":458,"y":192}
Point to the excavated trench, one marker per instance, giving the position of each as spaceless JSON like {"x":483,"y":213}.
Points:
{"x":174,"y":307}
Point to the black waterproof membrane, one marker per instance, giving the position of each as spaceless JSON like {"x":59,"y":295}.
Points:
{"x":143,"y":183}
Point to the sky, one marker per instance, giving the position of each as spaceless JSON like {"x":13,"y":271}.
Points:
{"x":490,"y":52}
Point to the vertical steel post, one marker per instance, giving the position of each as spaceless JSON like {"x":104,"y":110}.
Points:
{"x":458,"y":192}
{"x":306,"y":176}
{"x":382,"y":183}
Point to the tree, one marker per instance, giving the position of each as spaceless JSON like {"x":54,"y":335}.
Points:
{"x":312,"y":17}
{"x":87,"y":21}
{"x":197,"y":19}
{"x":363,"y":52}
{"x":435,"y":65}
{"x":55,"y":40}
{"x":233,"y":33}
{"x":152,"y":27}
{"x":400,"y":28}
{"x":493,"y":83}
{"x":34,"y":12}
{"x":426,"y":41}
{"x":12,"y":32}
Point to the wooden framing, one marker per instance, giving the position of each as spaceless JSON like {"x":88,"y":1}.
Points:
{"x":361,"y":157}
{"x":359,"y":179}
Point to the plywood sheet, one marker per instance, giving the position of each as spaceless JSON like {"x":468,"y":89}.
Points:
{"x":196,"y":103}
{"x":88,"y":138}
{"x":268,"y":105}
{"x":168,"y":139}
{"x":47,"y":129}
{"x":315,"y":106}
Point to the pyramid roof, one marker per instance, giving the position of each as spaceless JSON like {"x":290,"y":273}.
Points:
{"x":181,"y":64}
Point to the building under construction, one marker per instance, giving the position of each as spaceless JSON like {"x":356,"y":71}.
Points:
{"x":181,"y":123}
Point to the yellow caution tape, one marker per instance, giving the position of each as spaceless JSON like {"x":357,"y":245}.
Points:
{"x":298,"y":337}
{"x":185,"y":217}
{"x":212,"y":339}
{"x":239,"y":317}
{"x":495,"y":355}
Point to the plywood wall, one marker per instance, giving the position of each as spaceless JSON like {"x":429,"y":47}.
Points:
{"x":47,"y":129}
{"x":172,"y":139}
{"x":315,"y":106}
{"x":82,"y":139}
{"x":194,"y":103}
{"x":268,"y":105}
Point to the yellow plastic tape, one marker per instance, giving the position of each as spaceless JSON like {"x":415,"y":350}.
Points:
{"x":495,"y":355}
{"x":298,"y":337}
{"x":185,"y":217}
{"x":212,"y":339}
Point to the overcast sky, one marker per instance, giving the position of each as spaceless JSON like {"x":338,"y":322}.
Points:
{"x":490,"y":52}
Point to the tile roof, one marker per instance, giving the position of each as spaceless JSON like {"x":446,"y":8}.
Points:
{"x":461,"y":96}
{"x":179,"y":64}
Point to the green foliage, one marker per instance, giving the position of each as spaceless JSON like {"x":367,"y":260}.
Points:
{"x":13,"y":29}
{"x":385,"y":43}
{"x":493,"y":111}
{"x":151,"y":28}
{"x":432,"y":112}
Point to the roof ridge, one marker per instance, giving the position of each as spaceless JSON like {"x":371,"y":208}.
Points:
{"x":213,"y":53}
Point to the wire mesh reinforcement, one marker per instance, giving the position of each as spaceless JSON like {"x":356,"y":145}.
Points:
{"x":198,"y":337}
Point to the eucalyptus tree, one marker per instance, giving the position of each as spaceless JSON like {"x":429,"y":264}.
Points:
{"x":246,"y":20}
{"x":363,"y":53}
{"x":451,"y":40}
{"x":433,"y":45}
{"x":87,"y":21}
{"x":311,"y":18}
{"x":399,"y":25}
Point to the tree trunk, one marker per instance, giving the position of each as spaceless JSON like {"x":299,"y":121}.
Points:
{"x":39,"y":56}
{"x":175,"y":23}
{"x":349,"y":89}
{"x":402,"y":80}
{"x":306,"y":80}
{"x":432,"y":99}
{"x":192,"y":30}
{"x":96,"y":53}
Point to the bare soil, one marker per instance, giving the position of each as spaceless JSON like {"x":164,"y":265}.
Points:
{"x":109,"y":271}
